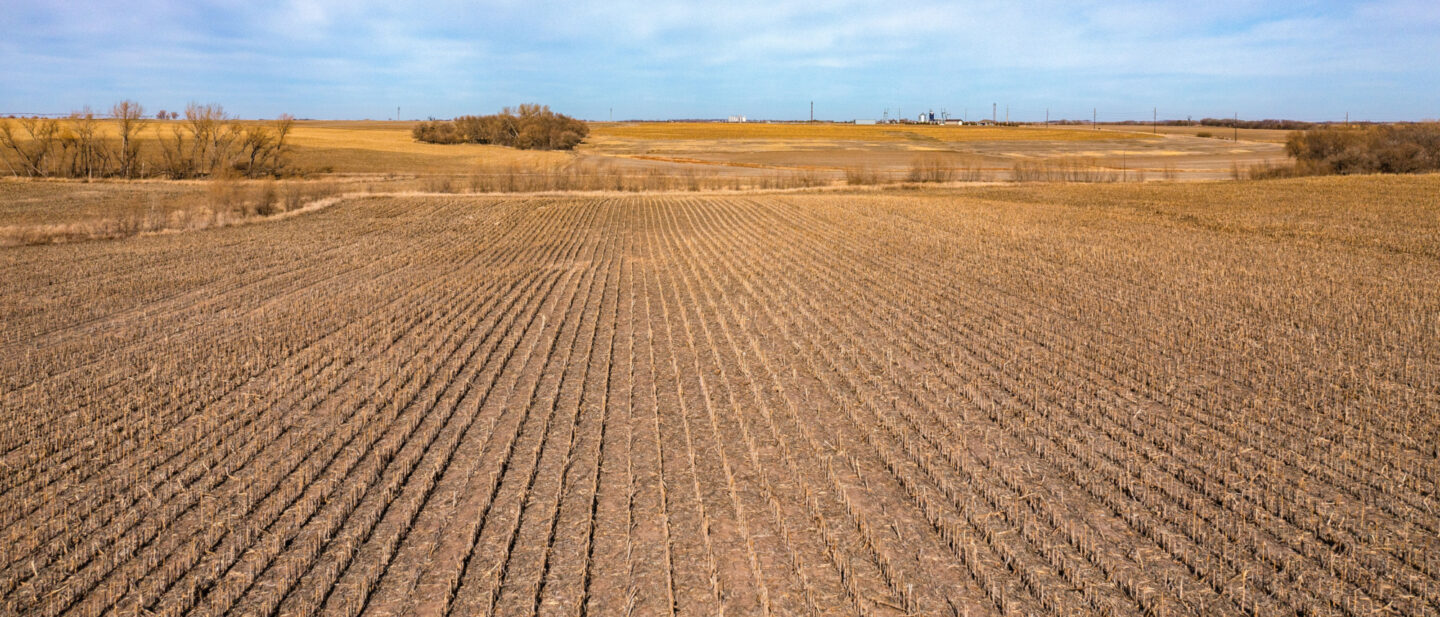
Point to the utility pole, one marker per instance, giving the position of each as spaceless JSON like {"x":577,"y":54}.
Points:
{"x":1007,"y":114}
{"x":397,"y":113}
{"x":993,"y":117}
{"x":1235,"y":125}
{"x":1047,"y":116}
{"x":612,"y":114}
{"x":1347,"y":119}
{"x":812,"y":111}
{"x":1155,"y":120}
{"x":1094,"y":115}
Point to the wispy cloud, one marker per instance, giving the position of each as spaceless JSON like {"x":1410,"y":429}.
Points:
{"x":763,"y":58}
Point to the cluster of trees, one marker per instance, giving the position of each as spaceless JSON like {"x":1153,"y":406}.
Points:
{"x":527,"y":127}
{"x":207,"y":141}
{"x":1389,"y":148}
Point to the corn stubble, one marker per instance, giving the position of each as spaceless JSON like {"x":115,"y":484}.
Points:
{"x":1019,"y":400}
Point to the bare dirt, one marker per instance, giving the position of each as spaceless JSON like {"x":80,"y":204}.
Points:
{"x":1160,"y":399}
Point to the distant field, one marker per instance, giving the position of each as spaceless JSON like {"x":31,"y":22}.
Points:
{"x":1216,"y":132}
{"x":1125,"y":400}
{"x":893,"y":149}
{"x":828,"y":131}
{"x":387,"y":147}
{"x":385,"y":151}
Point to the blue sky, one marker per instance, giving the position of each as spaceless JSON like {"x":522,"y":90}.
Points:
{"x":766,"y":59}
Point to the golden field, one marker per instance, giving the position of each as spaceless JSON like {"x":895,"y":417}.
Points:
{"x":846,"y":132}
{"x":385,"y":151}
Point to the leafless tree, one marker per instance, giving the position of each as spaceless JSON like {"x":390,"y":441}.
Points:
{"x":33,"y":145}
{"x":129,"y":119}
{"x":81,"y":140}
{"x":200,"y":145}
{"x":174,"y":153}
{"x":263,"y":147}
{"x":212,"y":136}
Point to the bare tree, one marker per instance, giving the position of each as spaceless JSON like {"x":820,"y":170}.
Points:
{"x":210,"y":140}
{"x":263,"y":147}
{"x":129,"y":119}
{"x":174,"y":155}
{"x":35,"y":146}
{"x":81,"y":139}
{"x":202,"y":144}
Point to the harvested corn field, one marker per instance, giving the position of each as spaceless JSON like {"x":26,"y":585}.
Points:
{"x":995,"y":401}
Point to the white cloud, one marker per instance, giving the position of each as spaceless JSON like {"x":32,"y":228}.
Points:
{"x":459,"y":53}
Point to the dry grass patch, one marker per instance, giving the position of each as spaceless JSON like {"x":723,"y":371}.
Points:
{"x":44,"y":212}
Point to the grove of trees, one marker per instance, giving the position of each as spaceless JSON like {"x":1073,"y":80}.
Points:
{"x":205,"y":142}
{"x":529,"y":126}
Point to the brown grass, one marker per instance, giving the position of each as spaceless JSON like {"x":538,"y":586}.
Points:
{"x":1062,"y":170}
{"x":93,"y":211}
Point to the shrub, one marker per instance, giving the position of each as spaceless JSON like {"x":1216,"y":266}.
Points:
{"x":436,"y":132}
{"x":930,"y":169}
{"x":1398,"y":148}
{"x":1270,"y":170}
{"x":861,"y":175}
{"x":439,"y":184}
{"x":267,"y":199}
{"x":225,"y":194}
{"x":1061,"y":170}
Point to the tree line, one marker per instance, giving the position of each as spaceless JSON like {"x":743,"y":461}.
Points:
{"x":1272,"y":124}
{"x":528,"y":127}
{"x":204,"y":141}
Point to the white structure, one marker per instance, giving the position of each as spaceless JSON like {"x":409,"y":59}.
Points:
{"x":736,"y":119}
